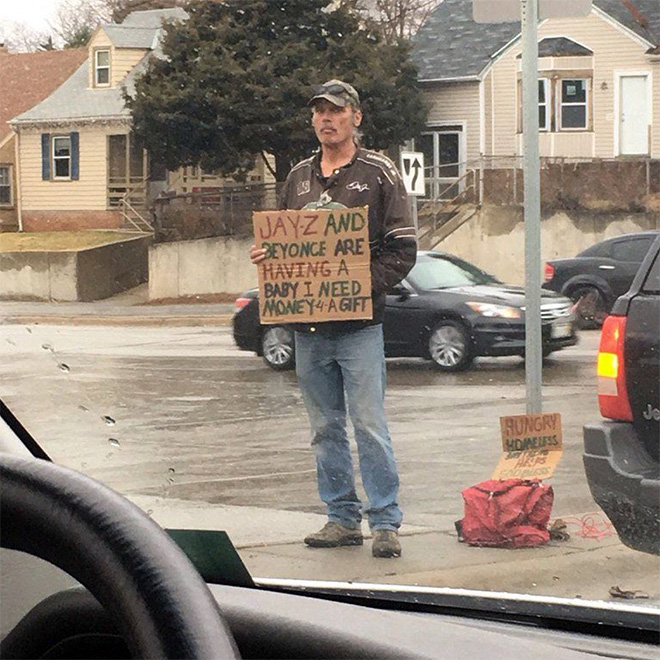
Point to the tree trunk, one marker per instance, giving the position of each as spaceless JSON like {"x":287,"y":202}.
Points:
{"x":282,"y":166}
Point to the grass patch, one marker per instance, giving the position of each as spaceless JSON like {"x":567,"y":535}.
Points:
{"x":59,"y":241}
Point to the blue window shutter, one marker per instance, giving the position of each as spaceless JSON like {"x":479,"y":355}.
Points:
{"x":45,"y":156}
{"x":75,"y":156}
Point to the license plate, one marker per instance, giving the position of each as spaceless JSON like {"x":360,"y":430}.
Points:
{"x":560,"y":330}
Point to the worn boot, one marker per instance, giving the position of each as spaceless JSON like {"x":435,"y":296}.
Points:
{"x":386,"y":543}
{"x":334,"y":535}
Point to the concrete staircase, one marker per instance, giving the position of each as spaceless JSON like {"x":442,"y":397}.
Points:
{"x":436,"y":224}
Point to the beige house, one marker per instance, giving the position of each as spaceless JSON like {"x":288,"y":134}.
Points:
{"x":599,"y":87}
{"x":79,"y":166}
{"x":45,"y":70}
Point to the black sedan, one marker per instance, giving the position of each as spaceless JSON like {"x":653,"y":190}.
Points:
{"x":596,"y":277}
{"x":446,"y":310}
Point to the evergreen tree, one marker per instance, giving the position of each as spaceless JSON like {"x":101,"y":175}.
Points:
{"x":236,"y":76}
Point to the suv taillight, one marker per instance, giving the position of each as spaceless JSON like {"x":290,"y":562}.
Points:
{"x":549,"y":272}
{"x":612,"y":392}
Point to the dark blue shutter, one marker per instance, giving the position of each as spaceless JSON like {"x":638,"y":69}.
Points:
{"x":45,"y":156}
{"x":75,"y":157}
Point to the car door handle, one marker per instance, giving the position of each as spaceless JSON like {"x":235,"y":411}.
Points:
{"x":607,"y":267}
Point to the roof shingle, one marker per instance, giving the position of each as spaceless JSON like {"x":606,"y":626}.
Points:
{"x":73,"y":100}
{"x":28,"y":78}
{"x":450,"y":45}
{"x":130,"y":37}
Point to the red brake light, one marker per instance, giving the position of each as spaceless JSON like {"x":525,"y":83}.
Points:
{"x":241,"y":302}
{"x":612,"y":392}
{"x":549,"y":272}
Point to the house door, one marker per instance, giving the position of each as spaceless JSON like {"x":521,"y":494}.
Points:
{"x":443,"y":156}
{"x":126,"y":169}
{"x":634,"y":116}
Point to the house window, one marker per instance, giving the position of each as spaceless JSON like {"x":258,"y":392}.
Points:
{"x":573,"y":101}
{"x":563,"y":104}
{"x":102,"y":67}
{"x":62,"y":157}
{"x":5,"y":185}
{"x":544,"y":97}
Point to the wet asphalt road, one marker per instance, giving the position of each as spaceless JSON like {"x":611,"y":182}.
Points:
{"x":179,"y":412}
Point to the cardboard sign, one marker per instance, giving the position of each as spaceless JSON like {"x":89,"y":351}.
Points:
{"x":531,"y":446}
{"x":317,"y":265}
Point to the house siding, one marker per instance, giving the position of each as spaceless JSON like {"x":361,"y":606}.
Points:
{"x":185,"y":179}
{"x":488,"y":113}
{"x":655,"y":130}
{"x":456,"y":103}
{"x":613,"y":51}
{"x":89,"y":193}
{"x":122,"y":61}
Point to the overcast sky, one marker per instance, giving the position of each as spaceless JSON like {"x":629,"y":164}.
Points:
{"x":34,"y":13}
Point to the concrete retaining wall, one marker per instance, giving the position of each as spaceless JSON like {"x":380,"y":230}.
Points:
{"x":110,"y":269}
{"x":208,"y":265}
{"x":83,"y":276}
{"x":494,"y":238}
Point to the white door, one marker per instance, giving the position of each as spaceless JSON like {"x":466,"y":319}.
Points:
{"x":634,"y":116}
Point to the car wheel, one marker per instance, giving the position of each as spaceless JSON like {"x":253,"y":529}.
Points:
{"x":277,"y":348}
{"x":450,"y":346}
{"x":590,"y":306}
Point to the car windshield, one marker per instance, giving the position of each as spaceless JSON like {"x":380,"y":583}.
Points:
{"x":203,"y":208}
{"x":442,"y":273}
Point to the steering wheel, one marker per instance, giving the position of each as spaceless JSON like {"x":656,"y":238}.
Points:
{"x":162,"y":606}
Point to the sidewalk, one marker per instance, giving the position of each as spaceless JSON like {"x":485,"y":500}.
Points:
{"x":127,"y":308}
{"x":270,"y":544}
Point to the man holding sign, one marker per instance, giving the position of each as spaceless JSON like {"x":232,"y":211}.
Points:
{"x":341,"y":364}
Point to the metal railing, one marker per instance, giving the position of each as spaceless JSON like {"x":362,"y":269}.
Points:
{"x":217,"y":211}
{"x":129,"y":196}
{"x":603,"y":184}
{"x":448,"y":200}
{"x":119,"y":187}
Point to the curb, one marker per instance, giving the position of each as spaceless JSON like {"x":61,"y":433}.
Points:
{"x":174,"y":321}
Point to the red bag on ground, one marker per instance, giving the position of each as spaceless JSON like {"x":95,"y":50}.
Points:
{"x":509,"y":513}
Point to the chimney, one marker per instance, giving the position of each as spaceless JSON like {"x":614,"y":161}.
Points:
{"x":3,"y":48}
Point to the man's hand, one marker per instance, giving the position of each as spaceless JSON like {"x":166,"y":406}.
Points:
{"x":257,"y":255}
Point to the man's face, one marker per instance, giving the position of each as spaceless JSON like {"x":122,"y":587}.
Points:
{"x":334,"y":125}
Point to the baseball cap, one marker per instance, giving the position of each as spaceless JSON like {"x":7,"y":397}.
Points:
{"x":336,"y":91}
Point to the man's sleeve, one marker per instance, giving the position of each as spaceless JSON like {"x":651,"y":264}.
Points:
{"x":395,"y":255}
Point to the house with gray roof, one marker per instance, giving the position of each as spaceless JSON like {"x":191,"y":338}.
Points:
{"x":79,"y":166}
{"x":599,"y":87}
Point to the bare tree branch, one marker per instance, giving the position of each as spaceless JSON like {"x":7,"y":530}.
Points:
{"x":396,"y":19}
{"x":20,"y":38}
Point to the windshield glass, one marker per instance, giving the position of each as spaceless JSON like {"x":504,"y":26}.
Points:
{"x":441,"y":273}
{"x":203,"y":207}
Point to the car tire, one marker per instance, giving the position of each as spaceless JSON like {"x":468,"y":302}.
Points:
{"x":450,"y":346}
{"x":277,"y":348}
{"x":591,"y":307}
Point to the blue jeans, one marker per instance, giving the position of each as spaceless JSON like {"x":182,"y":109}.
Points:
{"x":349,"y":368}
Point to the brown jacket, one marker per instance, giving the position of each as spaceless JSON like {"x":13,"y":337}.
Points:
{"x":372,"y":180}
